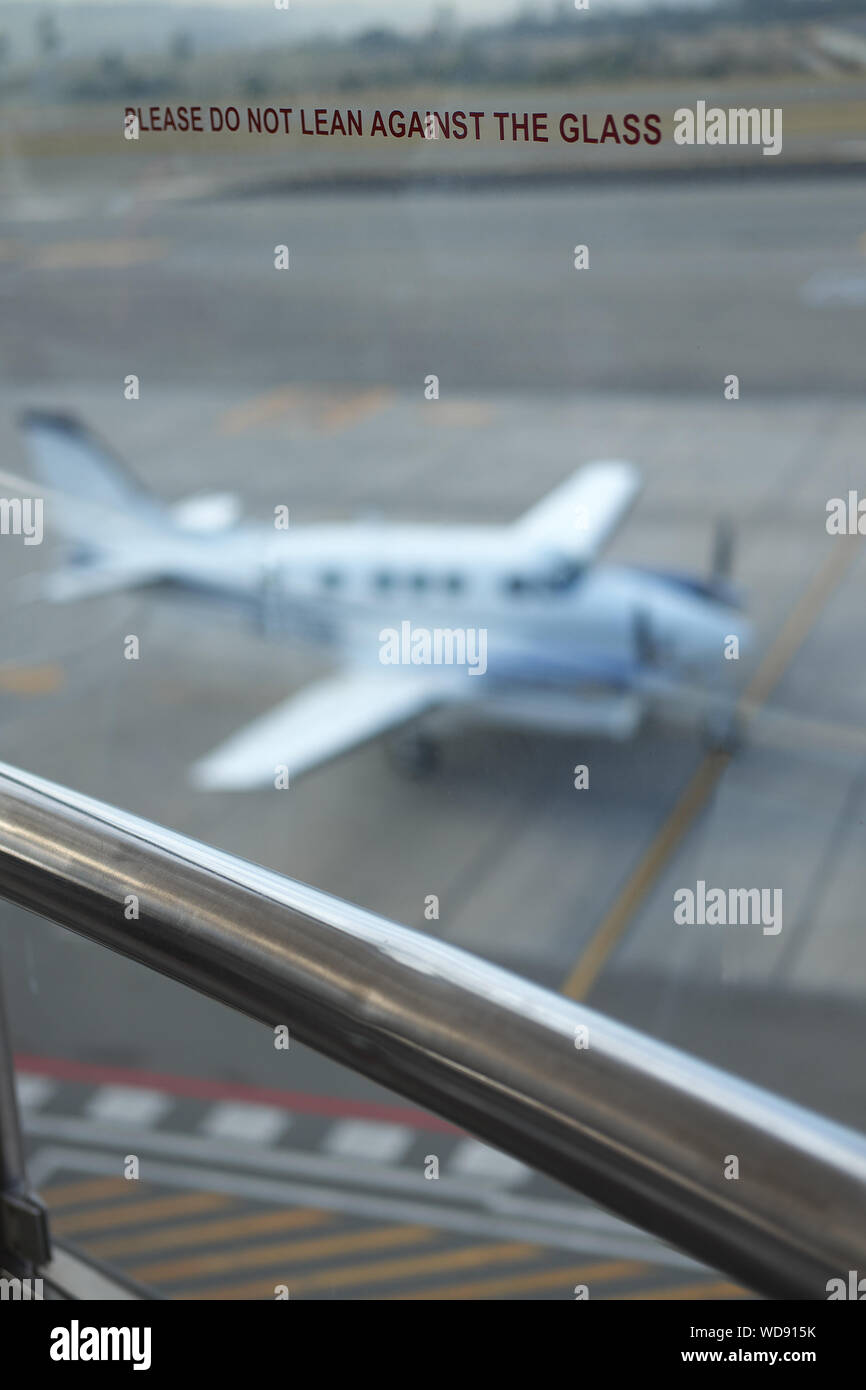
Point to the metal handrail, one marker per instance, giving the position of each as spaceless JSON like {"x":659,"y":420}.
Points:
{"x":643,"y":1129}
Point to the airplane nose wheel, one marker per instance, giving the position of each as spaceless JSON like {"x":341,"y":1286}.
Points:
{"x":414,"y":755}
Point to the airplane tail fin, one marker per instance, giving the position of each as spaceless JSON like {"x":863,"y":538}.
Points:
{"x":73,"y":463}
{"x":93,"y":503}
{"x":121,"y":535}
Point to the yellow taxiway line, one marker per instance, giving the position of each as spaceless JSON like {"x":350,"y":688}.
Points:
{"x":329,"y":411}
{"x":208,"y":1232}
{"x":381,"y":1272}
{"x":286,"y":1253}
{"x":135,"y":1213}
{"x":566,"y":1277}
{"x":689,"y":1293}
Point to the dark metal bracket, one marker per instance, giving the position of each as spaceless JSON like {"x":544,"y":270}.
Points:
{"x":24,"y":1239}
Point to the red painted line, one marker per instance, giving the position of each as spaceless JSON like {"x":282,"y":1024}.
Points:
{"x":199,"y":1088}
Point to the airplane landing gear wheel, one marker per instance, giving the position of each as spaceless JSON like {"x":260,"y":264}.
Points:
{"x":722,"y":732}
{"x":413,"y":755}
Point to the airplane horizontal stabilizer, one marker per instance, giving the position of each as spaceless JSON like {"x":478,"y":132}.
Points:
{"x":85,"y":581}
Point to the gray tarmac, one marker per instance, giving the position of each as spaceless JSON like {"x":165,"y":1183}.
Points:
{"x":308,"y":387}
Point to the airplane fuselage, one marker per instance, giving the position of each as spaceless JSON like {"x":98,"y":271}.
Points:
{"x":546,"y":623}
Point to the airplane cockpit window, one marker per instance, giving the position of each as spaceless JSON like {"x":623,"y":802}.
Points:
{"x":560,"y":580}
{"x":573,"y":297}
{"x":563,"y":578}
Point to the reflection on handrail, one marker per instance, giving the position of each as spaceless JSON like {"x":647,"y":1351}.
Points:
{"x":643,"y":1129}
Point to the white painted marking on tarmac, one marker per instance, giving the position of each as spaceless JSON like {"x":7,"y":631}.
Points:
{"x":474,"y":1160}
{"x":199,"y":1149}
{"x":34,"y":1091}
{"x":371,"y":1141}
{"x":563,"y":1235}
{"x":580,"y":1226}
{"x":128,"y":1105}
{"x":245,"y":1123}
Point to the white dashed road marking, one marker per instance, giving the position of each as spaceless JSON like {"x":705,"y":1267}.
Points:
{"x":34,"y":1091}
{"x":473,"y":1160}
{"x":245,"y":1123}
{"x":372,"y":1141}
{"x":128,"y":1105}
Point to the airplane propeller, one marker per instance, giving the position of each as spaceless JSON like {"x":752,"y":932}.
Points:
{"x":645,"y":645}
{"x":723,"y":550}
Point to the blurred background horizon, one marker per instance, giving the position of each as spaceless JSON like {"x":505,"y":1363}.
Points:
{"x":96,"y":48}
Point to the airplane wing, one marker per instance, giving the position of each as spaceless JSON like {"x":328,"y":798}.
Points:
{"x":313,"y":726}
{"x":578,"y":517}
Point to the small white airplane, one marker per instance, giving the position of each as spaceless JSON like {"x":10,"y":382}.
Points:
{"x":509,"y":624}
